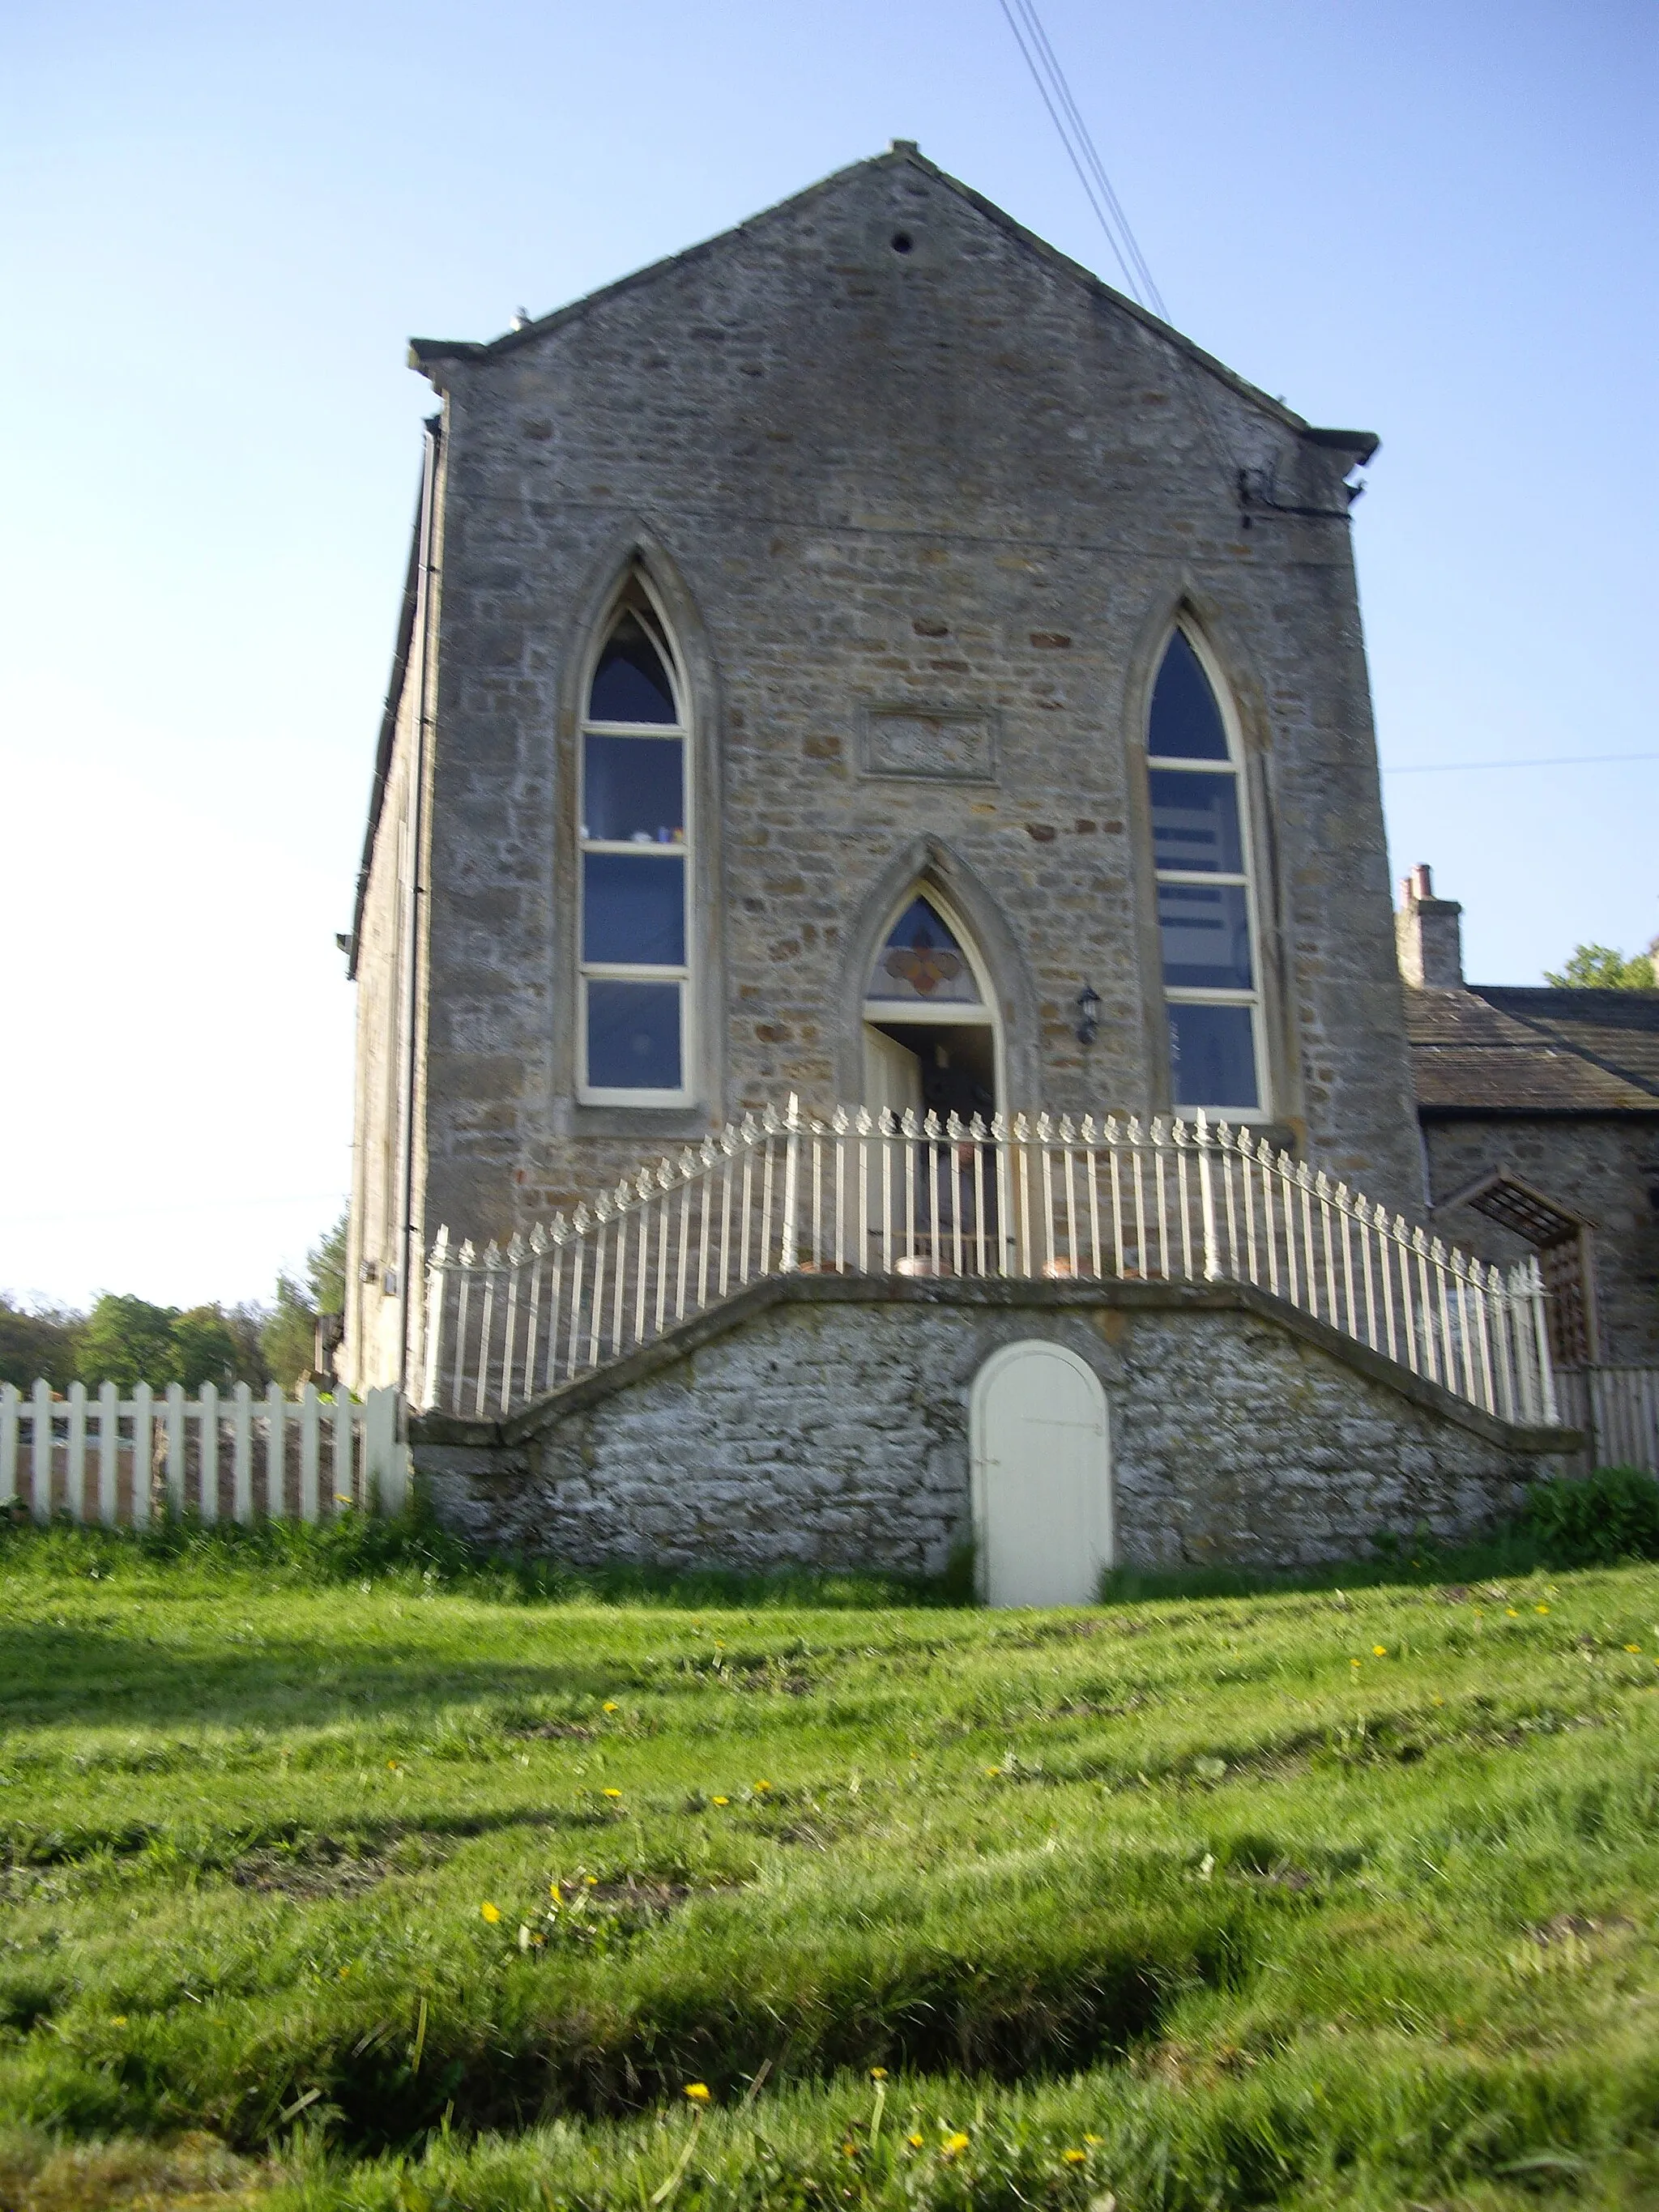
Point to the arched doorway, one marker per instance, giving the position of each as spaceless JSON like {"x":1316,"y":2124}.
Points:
{"x":931,"y":1046}
{"x":1042,"y":1474}
{"x":930,"y":1030}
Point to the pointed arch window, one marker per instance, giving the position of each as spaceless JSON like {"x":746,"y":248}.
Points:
{"x":1206,"y":902}
{"x":635,"y":837}
{"x":923,"y":963}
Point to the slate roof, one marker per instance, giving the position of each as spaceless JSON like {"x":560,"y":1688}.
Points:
{"x":1490,"y":1049}
{"x":1618,"y":1029}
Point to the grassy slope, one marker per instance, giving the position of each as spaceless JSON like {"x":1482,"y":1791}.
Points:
{"x":1201,"y":1902}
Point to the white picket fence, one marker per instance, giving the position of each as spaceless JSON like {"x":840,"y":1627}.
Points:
{"x":1037,"y":1199}
{"x":230,"y":1456}
{"x":1618,"y":1408}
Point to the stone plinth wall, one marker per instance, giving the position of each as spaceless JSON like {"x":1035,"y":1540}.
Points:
{"x":826,"y":1422}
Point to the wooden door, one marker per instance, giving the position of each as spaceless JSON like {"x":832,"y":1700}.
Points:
{"x":1041,"y":1477}
{"x":892,"y":1073}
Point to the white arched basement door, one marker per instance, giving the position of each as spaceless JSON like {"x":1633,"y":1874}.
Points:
{"x":1042,"y":1492}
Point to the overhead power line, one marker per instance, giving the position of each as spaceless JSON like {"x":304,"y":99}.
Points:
{"x":1561,"y":760}
{"x":1066,"y":116}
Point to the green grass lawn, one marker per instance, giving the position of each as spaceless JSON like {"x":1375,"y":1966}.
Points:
{"x":401,"y":1894}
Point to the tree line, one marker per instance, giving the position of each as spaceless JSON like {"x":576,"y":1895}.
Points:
{"x":125,"y":1340}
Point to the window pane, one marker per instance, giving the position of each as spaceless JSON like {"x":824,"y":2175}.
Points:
{"x":634,"y":911}
{"x":1212,"y":1055}
{"x":922,"y":960}
{"x":1195,"y":823}
{"x":1185,"y":722}
{"x":1206,"y":937}
{"x":632,"y":788}
{"x":633,"y":1036}
{"x":630,"y":683}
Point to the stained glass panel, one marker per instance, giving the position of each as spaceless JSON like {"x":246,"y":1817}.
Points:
{"x":922,"y":960}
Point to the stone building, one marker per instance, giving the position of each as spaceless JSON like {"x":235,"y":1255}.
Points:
{"x":1540,"y":1111}
{"x":830,"y":567}
{"x":866,"y":659}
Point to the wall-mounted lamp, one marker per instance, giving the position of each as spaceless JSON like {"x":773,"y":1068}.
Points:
{"x":1088,"y":1014}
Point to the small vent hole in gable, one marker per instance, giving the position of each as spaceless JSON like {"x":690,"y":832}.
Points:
{"x":902,"y":241}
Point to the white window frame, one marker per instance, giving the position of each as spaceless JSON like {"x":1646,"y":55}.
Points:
{"x":595,"y":971}
{"x":1186,"y":994}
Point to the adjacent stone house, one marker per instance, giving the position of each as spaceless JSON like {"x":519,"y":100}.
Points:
{"x":1540,"y":1111}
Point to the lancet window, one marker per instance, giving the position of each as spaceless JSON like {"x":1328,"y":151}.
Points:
{"x":1205,"y":904}
{"x":636,"y":983}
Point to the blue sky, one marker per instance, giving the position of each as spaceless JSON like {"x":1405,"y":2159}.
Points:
{"x":1431,"y":219}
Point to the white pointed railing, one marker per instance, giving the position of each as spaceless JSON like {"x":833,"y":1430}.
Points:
{"x":1033,"y":1198}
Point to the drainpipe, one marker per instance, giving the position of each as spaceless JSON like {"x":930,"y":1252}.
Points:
{"x":409,"y":1257}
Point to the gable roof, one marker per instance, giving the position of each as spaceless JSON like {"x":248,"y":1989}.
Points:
{"x":1476,"y":1051}
{"x":426,"y":353}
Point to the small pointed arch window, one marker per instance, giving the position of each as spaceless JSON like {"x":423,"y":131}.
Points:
{"x":1206,"y":898}
{"x":637,"y":1001}
{"x":922,"y":962}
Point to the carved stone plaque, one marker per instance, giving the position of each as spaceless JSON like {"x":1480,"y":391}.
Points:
{"x":941,"y":745}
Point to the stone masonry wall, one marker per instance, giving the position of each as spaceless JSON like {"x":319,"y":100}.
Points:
{"x":834,"y":1434}
{"x":961,"y":477}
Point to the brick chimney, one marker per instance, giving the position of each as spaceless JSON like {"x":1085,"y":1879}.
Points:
{"x":1429,"y":936}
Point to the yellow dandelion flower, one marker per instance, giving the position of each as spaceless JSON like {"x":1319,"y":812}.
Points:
{"x":1354,"y":1664}
{"x":722,"y":1801}
{"x":993,"y":1772}
{"x":1512,"y":1612}
{"x":916,"y":2142}
{"x":762,"y":1785}
{"x":118,"y":2020}
{"x":1094,"y":2139}
{"x":1540,"y":1608}
{"x":1379,"y":1650}
{"x":1632,"y":1647}
{"x":1074,"y":2157}
{"x":592,"y":1879}
{"x":492,"y":1913}
{"x":697,"y":2092}
{"x":611,"y":1793}
{"x":392,"y":1766}
{"x":610,"y":1704}
{"x":953,"y":2144}
{"x":877,"y":2072}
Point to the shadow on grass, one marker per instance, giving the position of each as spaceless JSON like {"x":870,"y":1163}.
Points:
{"x":53,"y":1673}
{"x":1421,"y":1565}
